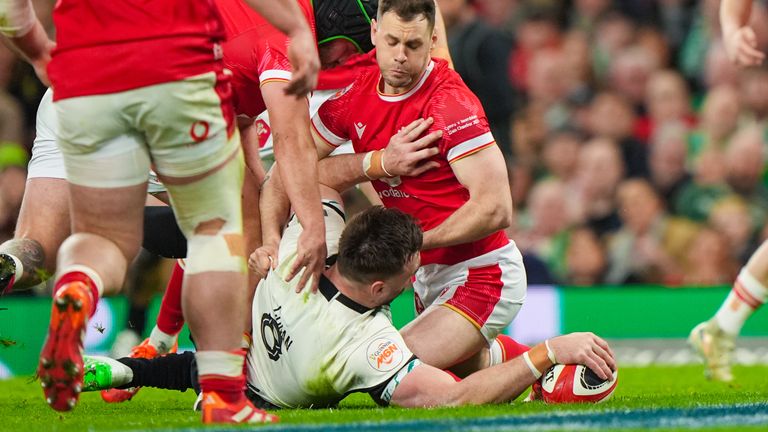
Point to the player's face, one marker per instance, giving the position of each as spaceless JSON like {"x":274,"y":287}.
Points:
{"x":397,"y":284}
{"x":402,"y":50}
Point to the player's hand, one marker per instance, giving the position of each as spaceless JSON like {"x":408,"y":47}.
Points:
{"x":741,"y":47}
{"x":310,"y":255}
{"x":407,"y":154}
{"x":262,"y":260}
{"x":305,"y":63}
{"x":587,"y":349}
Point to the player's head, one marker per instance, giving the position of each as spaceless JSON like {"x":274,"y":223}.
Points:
{"x":403,"y":33}
{"x":379,"y":250}
{"x":343,"y":29}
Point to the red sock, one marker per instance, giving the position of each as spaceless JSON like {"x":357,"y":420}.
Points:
{"x":77,"y":276}
{"x":170,"y":319}
{"x":221,"y":372}
{"x":511,"y":348}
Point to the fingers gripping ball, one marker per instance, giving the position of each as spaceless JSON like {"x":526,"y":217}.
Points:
{"x":576,"y":383}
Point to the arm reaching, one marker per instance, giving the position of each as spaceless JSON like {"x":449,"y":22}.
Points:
{"x":426,"y":386}
{"x":25,"y":35}
{"x":738,"y":36}
{"x":302,"y":51}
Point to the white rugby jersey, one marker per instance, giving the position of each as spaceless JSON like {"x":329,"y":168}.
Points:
{"x":314,"y":349}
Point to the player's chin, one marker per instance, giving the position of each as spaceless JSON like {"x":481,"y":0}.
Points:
{"x":397,"y":80}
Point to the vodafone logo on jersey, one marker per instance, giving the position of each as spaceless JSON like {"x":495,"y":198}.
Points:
{"x":384,"y":355}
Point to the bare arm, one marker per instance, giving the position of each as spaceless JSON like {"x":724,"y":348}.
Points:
{"x":489,"y":208}
{"x":739,"y":37}
{"x":25,"y":35}
{"x":427,"y":386}
{"x":297,"y":164}
{"x":287,"y":16}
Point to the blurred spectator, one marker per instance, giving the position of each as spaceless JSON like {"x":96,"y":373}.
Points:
{"x":629,"y":74}
{"x":744,"y":162}
{"x":718,"y":120}
{"x":697,"y":197}
{"x":754,"y":93}
{"x":708,"y":261}
{"x":586,"y":14}
{"x":537,"y":32}
{"x":667,"y":161}
{"x":651,"y":246}
{"x":591,"y":193}
{"x":586,"y":259}
{"x":666,"y":100}
{"x":611,"y":116}
{"x":11,"y":114}
{"x":560,"y":155}
{"x":13,"y":177}
{"x":480,"y":55}
{"x":730,"y":216}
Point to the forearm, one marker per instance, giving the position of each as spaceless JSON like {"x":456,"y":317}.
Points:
{"x":297,"y":165}
{"x":274,"y":208}
{"x":440,"y":50}
{"x":342,"y":172}
{"x":734,"y":14}
{"x":472,"y":221}
{"x":285,"y":15}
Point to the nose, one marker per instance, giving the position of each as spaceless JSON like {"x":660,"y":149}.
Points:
{"x":400,"y":54}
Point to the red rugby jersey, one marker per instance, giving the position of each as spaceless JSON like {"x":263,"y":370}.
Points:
{"x":363,"y":114}
{"x":115,"y":45}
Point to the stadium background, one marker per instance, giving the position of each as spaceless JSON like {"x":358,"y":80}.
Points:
{"x":637,"y":163}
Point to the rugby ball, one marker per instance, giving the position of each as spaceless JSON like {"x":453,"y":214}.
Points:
{"x":575,"y":383}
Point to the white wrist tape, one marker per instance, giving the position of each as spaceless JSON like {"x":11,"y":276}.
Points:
{"x":18,"y":17}
{"x":367,"y":164}
{"x":550,"y":353}
{"x":536,"y":373}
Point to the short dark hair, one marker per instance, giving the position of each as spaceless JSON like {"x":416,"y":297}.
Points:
{"x":376,"y":244}
{"x":409,"y":10}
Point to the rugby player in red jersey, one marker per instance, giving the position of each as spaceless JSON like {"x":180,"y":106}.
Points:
{"x":471,"y":283}
{"x":156,"y":96}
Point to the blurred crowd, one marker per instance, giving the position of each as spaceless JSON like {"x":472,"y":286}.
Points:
{"x":636,"y":151}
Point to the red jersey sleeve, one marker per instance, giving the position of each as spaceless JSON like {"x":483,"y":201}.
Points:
{"x":461,"y":117}
{"x":329,"y":122}
{"x":273,"y":61}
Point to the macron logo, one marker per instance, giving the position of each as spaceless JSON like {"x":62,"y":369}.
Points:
{"x":360,"y":128}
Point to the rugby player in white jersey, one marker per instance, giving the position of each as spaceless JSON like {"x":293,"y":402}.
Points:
{"x":312,"y":349}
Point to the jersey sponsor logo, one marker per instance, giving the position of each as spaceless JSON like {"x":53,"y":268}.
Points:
{"x":384,"y":355}
{"x":274,"y":335}
{"x":392,"y":193}
{"x":360,"y":129}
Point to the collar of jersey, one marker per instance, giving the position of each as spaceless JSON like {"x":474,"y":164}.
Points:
{"x":330,"y":292}
{"x":399,"y":97}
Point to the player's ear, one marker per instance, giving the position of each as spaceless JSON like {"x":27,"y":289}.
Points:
{"x":374,"y":26}
{"x":377,"y":290}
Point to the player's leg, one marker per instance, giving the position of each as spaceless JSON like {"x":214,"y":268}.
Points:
{"x":171,"y":372}
{"x":197,"y":155}
{"x":107,"y":167}
{"x":43,"y":224}
{"x":468,"y":306}
{"x":715,"y":339}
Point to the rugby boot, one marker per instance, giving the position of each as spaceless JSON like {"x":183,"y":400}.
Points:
{"x":7,"y":274}
{"x":102,"y":373}
{"x":216,"y":410}
{"x":143,"y":350}
{"x":61,"y":360}
{"x":715,"y":347}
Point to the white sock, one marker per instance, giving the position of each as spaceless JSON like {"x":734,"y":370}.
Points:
{"x":495,"y":354}
{"x":746,"y":296}
{"x":222,"y":363}
{"x":161,"y":340}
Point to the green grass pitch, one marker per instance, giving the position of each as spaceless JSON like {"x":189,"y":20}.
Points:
{"x":652,"y":397}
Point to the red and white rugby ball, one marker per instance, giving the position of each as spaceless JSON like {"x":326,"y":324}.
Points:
{"x":575,"y":383}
